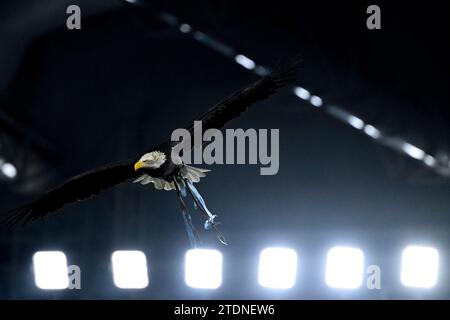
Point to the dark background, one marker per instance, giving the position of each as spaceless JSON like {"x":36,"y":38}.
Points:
{"x":73,"y":100}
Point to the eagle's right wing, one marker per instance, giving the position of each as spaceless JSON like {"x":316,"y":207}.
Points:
{"x":77,"y":188}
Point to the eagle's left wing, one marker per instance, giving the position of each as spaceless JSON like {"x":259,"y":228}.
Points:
{"x":228,"y":109}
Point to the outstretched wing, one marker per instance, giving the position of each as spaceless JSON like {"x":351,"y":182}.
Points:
{"x":78,"y":188}
{"x":228,"y":109}
{"x":93,"y":182}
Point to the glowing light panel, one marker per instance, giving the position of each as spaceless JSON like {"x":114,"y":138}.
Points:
{"x":419,"y":267}
{"x":345,"y":267}
{"x":277,"y":268}
{"x":129,"y":269}
{"x":50,"y":270}
{"x":203,"y":268}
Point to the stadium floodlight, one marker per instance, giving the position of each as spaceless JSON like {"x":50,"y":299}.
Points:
{"x":9,"y":170}
{"x":413,"y":151}
{"x":419,"y":267}
{"x":302,"y":93}
{"x":50,"y":270}
{"x":345,"y":267}
{"x":316,"y":101}
{"x":372,"y":131}
{"x":429,"y":160}
{"x":277,"y":268}
{"x":129,"y":269}
{"x":355,"y":122}
{"x":185,"y":28}
{"x":244,"y":61}
{"x":203,"y":268}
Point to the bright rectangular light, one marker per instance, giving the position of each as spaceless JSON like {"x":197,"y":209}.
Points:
{"x":413,"y":151}
{"x":355,"y":122}
{"x":429,"y":160}
{"x":419,"y":267}
{"x":50,"y":270}
{"x":277,"y":268}
{"x":244,"y":61}
{"x":316,"y":101}
{"x":345,"y":267}
{"x":129,"y":269}
{"x":8,"y":169}
{"x":185,"y":28}
{"x":372,"y":131}
{"x":302,"y":93}
{"x":203,"y":268}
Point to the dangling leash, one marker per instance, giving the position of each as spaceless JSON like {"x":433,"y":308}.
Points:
{"x":181,"y":184}
{"x":194,"y":238}
{"x":200,"y":204}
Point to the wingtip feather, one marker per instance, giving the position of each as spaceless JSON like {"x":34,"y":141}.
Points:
{"x":285,"y":74}
{"x":15,"y":216}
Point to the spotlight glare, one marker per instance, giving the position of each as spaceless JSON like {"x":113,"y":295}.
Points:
{"x":199,"y":36}
{"x":245,"y":62}
{"x":50,"y":270}
{"x":185,"y":28}
{"x":355,"y":122}
{"x":261,"y":71}
{"x":316,"y":101}
{"x":9,"y":170}
{"x":129,"y":269}
{"x":302,"y":93}
{"x":429,"y":160}
{"x":345,"y":267}
{"x":277,"y":268}
{"x":419,"y":267}
{"x":413,"y":151}
{"x":372,"y":131}
{"x":203,"y":268}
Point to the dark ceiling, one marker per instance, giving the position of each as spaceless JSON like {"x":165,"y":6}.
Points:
{"x":77,"y":99}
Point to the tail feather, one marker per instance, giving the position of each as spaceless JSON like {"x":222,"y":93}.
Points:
{"x":193,"y":174}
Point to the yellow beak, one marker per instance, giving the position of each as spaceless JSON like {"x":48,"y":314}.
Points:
{"x":138,"y":165}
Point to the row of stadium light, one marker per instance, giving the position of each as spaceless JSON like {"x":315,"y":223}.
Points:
{"x":277,"y":268}
{"x":7,"y":169}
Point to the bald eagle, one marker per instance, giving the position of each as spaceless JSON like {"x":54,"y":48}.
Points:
{"x":157,"y":166}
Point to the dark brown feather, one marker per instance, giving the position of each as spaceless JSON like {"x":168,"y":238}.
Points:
{"x":77,"y":188}
{"x":228,"y":109}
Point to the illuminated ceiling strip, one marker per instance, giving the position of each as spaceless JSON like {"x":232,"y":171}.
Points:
{"x":394,"y":143}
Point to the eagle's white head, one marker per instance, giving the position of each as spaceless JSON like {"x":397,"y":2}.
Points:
{"x":152,"y":160}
